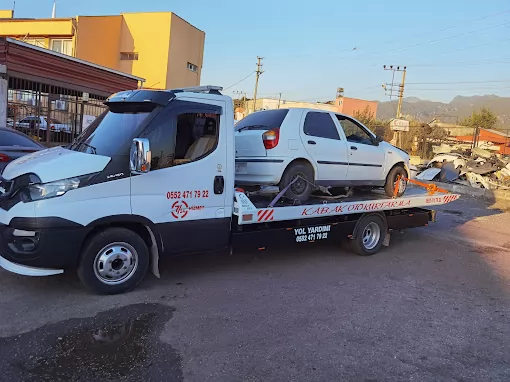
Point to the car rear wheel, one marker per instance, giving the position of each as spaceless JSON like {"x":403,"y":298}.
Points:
{"x":301,"y":174}
{"x":391,"y":182}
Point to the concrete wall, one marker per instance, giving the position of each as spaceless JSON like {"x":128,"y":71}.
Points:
{"x":309,"y":105}
{"x":349,"y":106}
{"x":148,"y":34}
{"x":6,"y":13}
{"x":32,"y":28}
{"x":186,"y":45}
{"x":98,"y":40}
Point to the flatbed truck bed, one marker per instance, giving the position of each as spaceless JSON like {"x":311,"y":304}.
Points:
{"x":366,"y":219}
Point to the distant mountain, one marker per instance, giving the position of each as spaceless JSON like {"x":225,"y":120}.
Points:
{"x":459,"y":108}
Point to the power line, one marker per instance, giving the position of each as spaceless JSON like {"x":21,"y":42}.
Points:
{"x":463,"y":89}
{"x":457,"y":82}
{"x":417,"y":44}
{"x":430,"y":41}
{"x":238,"y":82}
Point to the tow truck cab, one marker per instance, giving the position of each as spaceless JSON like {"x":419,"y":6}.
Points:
{"x":153,"y":173}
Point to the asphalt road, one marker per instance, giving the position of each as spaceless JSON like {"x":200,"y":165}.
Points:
{"x":434,"y":306}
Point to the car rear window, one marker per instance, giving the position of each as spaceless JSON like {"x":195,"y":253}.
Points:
{"x":320,"y":125}
{"x":262,"y":120}
{"x":8,"y":138}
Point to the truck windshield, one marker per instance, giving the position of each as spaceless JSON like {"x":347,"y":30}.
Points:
{"x":104,"y":135}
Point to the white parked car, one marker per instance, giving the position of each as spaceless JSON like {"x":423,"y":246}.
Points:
{"x":41,"y":123}
{"x":273,"y":147}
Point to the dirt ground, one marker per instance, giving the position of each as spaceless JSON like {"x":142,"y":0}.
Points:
{"x":434,"y":306}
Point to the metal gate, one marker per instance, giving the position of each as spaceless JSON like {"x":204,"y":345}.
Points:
{"x":50,"y":114}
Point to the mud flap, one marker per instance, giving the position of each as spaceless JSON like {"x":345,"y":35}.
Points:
{"x":154,"y":255}
{"x":387,"y":238}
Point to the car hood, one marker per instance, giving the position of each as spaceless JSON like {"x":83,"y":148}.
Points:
{"x":389,"y":145}
{"x":55,"y":164}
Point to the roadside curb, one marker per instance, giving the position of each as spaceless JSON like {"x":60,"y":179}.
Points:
{"x":496,"y":195}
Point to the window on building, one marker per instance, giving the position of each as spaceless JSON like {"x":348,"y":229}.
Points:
{"x":129,"y":56}
{"x":320,"y":125}
{"x":192,"y":67}
{"x":62,"y":46}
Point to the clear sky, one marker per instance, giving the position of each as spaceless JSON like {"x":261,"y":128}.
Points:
{"x":451,"y":47}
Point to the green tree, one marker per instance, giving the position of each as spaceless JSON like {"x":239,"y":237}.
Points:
{"x":366,"y":116}
{"x":484,"y":118}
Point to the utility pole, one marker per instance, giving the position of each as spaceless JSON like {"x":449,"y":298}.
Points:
{"x":401,"y":93}
{"x":279,"y":99}
{"x":397,"y":137}
{"x":258,"y":73}
{"x":394,"y":69}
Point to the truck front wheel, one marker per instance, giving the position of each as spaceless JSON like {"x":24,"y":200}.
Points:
{"x":113,"y":261}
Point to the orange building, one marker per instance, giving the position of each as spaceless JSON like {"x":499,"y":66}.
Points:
{"x":349,"y":106}
{"x":499,"y":138}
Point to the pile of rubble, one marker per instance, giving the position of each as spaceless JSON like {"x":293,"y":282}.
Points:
{"x":477,"y":168}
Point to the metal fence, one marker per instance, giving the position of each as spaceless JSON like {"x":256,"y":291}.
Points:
{"x":50,"y":114}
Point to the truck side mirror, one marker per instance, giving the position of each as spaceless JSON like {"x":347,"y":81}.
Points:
{"x":140,"y":156}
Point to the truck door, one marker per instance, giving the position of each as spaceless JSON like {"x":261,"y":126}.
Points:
{"x":321,"y":140}
{"x":184,"y":191}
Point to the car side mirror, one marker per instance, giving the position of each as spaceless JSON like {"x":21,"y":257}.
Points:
{"x":377,"y":140}
{"x":140,"y":156}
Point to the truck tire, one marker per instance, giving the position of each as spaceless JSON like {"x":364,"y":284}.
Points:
{"x":391,"y":180}
{"x":302,"y":189}
{"x":369,"y":235}
{"x":113,"y":261}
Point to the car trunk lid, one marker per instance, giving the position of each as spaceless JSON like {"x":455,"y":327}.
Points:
{"x":248,"y":131}
{"x":249,"y":143}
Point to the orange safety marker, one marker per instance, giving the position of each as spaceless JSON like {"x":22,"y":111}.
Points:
{"x":431,"y":188}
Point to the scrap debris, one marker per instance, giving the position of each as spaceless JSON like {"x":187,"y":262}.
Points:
{"x":476,"y":167}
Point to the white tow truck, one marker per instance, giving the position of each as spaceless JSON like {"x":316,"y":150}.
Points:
{"x":154,"y":176}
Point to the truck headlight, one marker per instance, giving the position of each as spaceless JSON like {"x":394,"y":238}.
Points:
{"x":40,"y":191}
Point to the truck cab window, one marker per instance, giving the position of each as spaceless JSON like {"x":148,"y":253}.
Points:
{"x":192,"y":137}
{"x":197,"y":136}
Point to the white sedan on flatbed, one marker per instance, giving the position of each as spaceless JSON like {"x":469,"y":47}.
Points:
{"x":274,"y":147}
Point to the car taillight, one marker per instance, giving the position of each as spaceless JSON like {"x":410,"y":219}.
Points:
{"x":270,"y":138}
{"x":4,"y":158}
{"x":52,"y":127}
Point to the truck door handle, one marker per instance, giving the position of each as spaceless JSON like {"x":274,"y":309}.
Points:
{"x":311,"y":142}
{"x":354,"y":148}
{"x":219,"y":185}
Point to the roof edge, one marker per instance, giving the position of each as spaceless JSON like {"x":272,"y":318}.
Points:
{"x":70,"y":58}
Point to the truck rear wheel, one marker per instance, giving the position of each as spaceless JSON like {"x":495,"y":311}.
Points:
{"x":113,"y":261}
{"x":369,"y":235}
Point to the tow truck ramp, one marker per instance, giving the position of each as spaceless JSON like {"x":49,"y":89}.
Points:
{"x":248,"y":212}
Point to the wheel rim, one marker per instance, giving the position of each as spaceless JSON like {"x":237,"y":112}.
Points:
{"x":371,"y":235}
{"x":115,"y":263}
{"x":402,"y":184}
{"x":299,"y":186}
